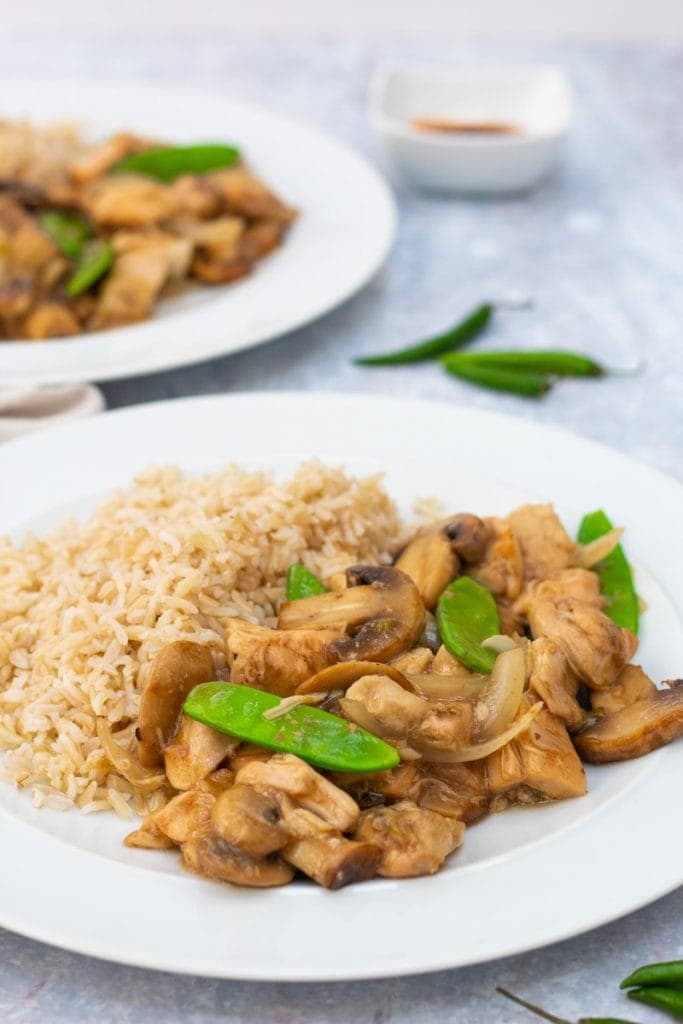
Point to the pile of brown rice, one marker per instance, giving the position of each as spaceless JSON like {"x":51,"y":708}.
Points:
{"x":84,"y":610}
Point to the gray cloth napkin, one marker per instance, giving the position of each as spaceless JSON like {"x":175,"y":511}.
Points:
{"x":26,"y":409}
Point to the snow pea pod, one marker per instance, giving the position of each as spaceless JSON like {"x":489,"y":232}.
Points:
{"x":316,"y":736}
{"x":96,"y":258}
{"x":302,"y":583}
{"x":668,"y":999}
{"x":67,"y":231}
{"x":669,"y":974}
{"x":466,"y":614}
{"x":557,"y":362}
{"x":518,"y":382}
{"x":614,"y":572}
{"x":169,"y":162}
{"x":464,"y":331}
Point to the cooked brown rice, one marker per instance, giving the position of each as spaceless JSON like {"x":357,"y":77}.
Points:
{"x":84,"y":610}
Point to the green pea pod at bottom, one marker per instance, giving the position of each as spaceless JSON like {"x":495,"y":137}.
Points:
{"x":316,"y":736}
{"x":95,"y":260}
{"x":670,"y":1000}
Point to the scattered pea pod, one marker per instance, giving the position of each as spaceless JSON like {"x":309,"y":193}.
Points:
{"x":169,"y":162}
{"x":557,"y":363}
{"x":302,"y":583}
{"x":318,"y":737}
{"x":67,"y":231}
{"x":614,"y":572}
{"x":464,"y":331}
{"x":95,"y":259}
{"x":518,"y":382}
{"x":669,"y":974}
{"x":466,"y":614}
{"x":668,"y":999}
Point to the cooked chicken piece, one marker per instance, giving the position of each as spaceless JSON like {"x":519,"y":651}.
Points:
{"x":407,"y":718}
{"x":333,"y":861}
{"x":376,"y":788}
{"x":217,"y":782}
{"x":420,"y":659}
{"x":220,"y":237}
{"x":555,"y":683}
{"x":455,"y":790}
{"x":380,"y":610}
{"x":275,"y":659}
{"x":510,"y":622}
{"x":634,"y":730}
{"x":546,"y":546}
{"x":246,"y":753}
{"x":148,"y":837}
{"x":97,"y":160}
{"x":211,"y":855}
{"x":631,"y":685}
{"x":185,"y":816}
{"x":178,"y":250}
{"x":446,"y":664}
{"x":194,"y":197}
{"x":25,"y":250}
{"x":249,"y":820}
{"x":217,"y":270}
{"x":50,"y":320}
{"x":260,"y":238}
{"x":176,"y":669}
{"x":580,"y":584}
{"x":595,"y":648}
{"x":413,"y":841}
{"x":195,"y":752}
{"x":541,"y":759}
{"x":134,"y":282}
{"x":288,"y":774}
{"x":243,"y":194}
{"x":128,"y":201}
{"x":16,"y":297}
{"x":501,"y":569}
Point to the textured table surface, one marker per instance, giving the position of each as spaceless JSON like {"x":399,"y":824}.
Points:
{"x":598,"y":248}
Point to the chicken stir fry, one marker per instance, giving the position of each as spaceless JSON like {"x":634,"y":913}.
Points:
{"x":92,"y":237}
{"x":480,"y":671}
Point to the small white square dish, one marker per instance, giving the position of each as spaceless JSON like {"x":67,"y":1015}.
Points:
{"x":471,"y":131}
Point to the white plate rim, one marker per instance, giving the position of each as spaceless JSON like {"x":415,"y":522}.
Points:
{"x":612,"y":829}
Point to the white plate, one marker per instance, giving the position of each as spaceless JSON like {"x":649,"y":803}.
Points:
{"x":344,"y":232}
{"x":523,"y":878}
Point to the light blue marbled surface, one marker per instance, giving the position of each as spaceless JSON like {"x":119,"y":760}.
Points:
{"x":599,"y":247}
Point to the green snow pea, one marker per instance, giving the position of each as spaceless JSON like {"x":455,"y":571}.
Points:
{"x":527,"y":383}
{"x":67,"y":231}
{"x":668,"y":999}
{"x":169,"y":162}
{"x":555,"y":362}
{"x":96,"y":258}
{"x":316,"y":736}
{"x":669,"y":974}
{"x":614,"y":572}
{"x":302,"y":583}
{"x":466,"y":614}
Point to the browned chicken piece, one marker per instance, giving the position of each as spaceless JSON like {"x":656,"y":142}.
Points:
{"x":275,"y":659}
{"x":285,"y":773}
{"x":211,"y":855}
{"x":446,"y":664}
{"x":580,"y":584}
{"x":407,"y":718}
{"x":376,"y":788}
{"x":185,"y":815}
{"x":216,"y":270}
{"x":333,"y":861}
{"x":631,"y":685}
{"x":97,"y":160}
{"x":218,"y":254}
{"x":195,"y":752}
{"x":217,"y":782}
{"x":243,"y":194}
{"x":25,"y":250}
{"x":128,"y":201}
{"x":249,"y":820}
{"x":455,"y":790}
{"x":194,"y":197}
{"x":16,"y":297}
{"x":634,"y":730}
{"x":546,"y":546}
{"x":501,"y":569}
{"x":260,"y":238}
{"x":178,"y":250}
{"x":135,"y":281}
{"x":555,"y":683}
{"x":50,"y":320}
{"x":148,"y":837}
{"x":595,"y":648}
{"x":413,"y":841}
{"x":541,"y":761}
{"x":420,"y":659}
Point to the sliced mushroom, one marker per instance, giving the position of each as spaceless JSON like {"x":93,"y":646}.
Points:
{"x":249,"y":820}
{"x":381,"y":611}
{"x":432,"y":557}
{"x":289,"y":774}
{"x":634,"y":730}
{"x":343,"y":674}
{"x":211,"y":855}
{"x":334,"y":861}
{"x":176,"y":669}
{"x":414,"y":841}
{"x":184,"y":816}
{"x":195,"y":752}
{"x":277,"y":660}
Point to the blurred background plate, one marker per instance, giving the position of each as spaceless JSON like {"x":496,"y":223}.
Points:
{"x":343,"y":234}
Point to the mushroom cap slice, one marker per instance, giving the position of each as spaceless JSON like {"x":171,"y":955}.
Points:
{"x":212,"y":855}
{"x":333,"y":861}
{"x":249,"y":820}
{"x":635,"y":730}
{"x":431,"y":563}
{"x":185,"y":816}
{"x":177,"y":668}
{"x":380,"y":611}
{"x":344,"y":673}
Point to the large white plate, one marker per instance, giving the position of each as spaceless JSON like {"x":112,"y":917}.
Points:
{"x":343,"y":235}
{"x":523,"y":878}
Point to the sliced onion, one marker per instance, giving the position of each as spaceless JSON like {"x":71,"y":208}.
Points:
{"x":441,"y":755}
{"x":601,"y":547}
{"x":442,"y":687}
{"x":499,"y":643}
{"x":125,"y":764}
{"x":500,"y":699}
